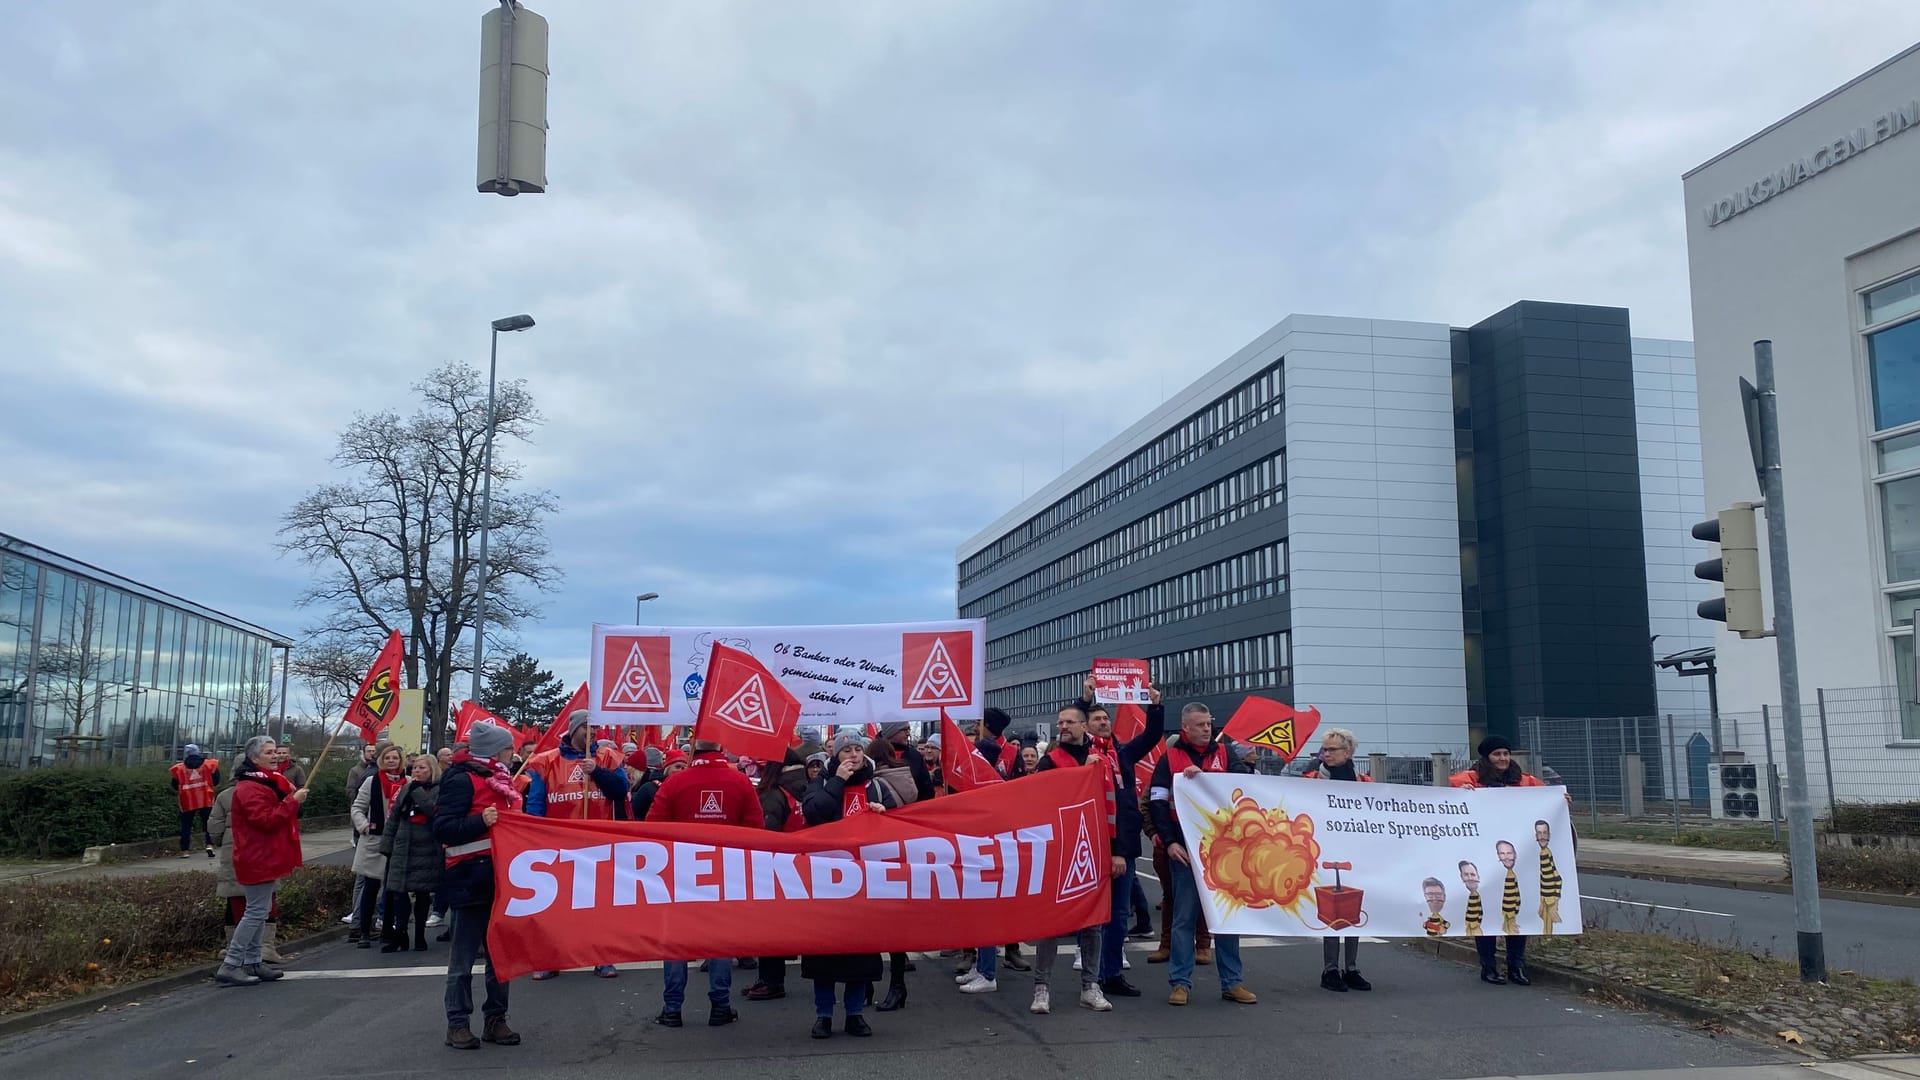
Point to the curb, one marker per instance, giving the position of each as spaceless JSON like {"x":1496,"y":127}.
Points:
{"x":121,"y":995}
{"x":1750,"y":885}
{"x":1638,"y":996}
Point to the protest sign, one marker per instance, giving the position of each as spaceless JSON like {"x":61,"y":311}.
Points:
{"x":1121,"y":682}
{"x":1291,"y":857}
{"x":842,"y":674}
{"x":949,"y":873}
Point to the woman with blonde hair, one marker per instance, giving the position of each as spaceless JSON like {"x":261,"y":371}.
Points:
{"x":415,"y":859}
{"x":371,"y":804}
{"x":1335,"y":762}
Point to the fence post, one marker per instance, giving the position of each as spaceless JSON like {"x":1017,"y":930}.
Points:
{"x":1442,"y":761}
{"x":1673,"y":776}
{"x":1377,"y":767}
{"x":1593,"y":789}
{"x":1826,"y":755}
{"x":1773,"y":799}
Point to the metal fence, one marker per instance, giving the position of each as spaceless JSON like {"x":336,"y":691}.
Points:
{"x":1689,"y":768}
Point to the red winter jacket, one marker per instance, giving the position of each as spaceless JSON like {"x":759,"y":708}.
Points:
{"x":265,"y":826}
{"x":710,"y":792}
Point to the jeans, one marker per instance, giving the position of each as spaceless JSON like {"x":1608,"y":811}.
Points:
{"x":469,"y":937}
{"x":719,"y":983}
{"x":1330,"y":954}
{"x":823,"y":998}
{"x":369,"y":894}
{"x":1186,"y":913}
{"x":986,"y":961}
{"x":244,"y":950}
{"x":1516,"y":951}
{"x":1113,"y":942}
{"x":1046,"y":949}
{"x":186,"y":826}
{"x":1141,"y":913}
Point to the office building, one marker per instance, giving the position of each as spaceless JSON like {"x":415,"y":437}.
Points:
{"x":1425,"y":532}
{"x":96,"y":668}
{"x":1807,"y":234}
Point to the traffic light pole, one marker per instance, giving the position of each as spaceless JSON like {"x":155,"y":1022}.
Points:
{"x":1806,"y":883}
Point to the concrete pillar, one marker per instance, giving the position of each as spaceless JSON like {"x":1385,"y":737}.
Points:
{"x":1377,"y":767}
{"x":1442,"y":767}
{"x":1633,"y":786}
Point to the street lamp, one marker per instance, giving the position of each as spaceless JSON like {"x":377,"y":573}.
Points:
{"x":507,"y":325}
{"x":641,"y":599}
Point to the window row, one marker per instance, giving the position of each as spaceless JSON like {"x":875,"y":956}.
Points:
{"x":1252,"y":575}
{"x":1249,"y":665}
{"x":1259,"y":486}
{"x":1229,"y":416}
{"x":89,"y":672}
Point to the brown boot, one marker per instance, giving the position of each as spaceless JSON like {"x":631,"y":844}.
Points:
{"x":460,"y":1038}
{"x":270,"y":946}
{"x":1202,"y":957}
{"x":498,"y":1033}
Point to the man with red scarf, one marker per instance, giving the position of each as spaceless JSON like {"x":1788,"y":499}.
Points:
{"x":475,"y":790}
{"x":709,"y":791}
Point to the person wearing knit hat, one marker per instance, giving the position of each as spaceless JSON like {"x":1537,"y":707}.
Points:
{"x":195,"y":778}
{"x":474,"y":791}
{"x":816,"y":764}
{"x":1495,"y":768}
{"x":848,"y":789}
{"x":670,"y":762}
{"x":898,"y":733}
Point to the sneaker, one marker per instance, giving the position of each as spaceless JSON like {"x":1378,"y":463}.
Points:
{"x":435,"y":921}
{"x":1141,"y":933}
{"x":1239,"y":995}
{"x":264,"y":973}
{"x":980,"y":986}
{"x":1078,"y":959}
{"x":1355,"y":982}
{"x":209,"y":851}
{"x":1125,"y":964}
{"x":606,"y":971}
{"x":967,"y":976}
{"x":1092,"y":998}
{"x":543,"y":976}
{"x":1042,"y":1001}
{"x":962,"y":970}
{"x":347,"y":919}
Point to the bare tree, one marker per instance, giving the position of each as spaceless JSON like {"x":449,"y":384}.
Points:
{"x":330,"y":672}
{"x":395,"y":544}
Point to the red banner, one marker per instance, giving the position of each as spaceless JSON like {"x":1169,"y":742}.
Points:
{"x":378,"y":699}
{"x":744,"y":708}
{"x":949,"y":873}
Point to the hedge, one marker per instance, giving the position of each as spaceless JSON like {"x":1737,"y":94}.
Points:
{"x":60,"y":812}
{"x":1869,"y":869}
{"x":1878,"y":819}
{"x":58,"y":939}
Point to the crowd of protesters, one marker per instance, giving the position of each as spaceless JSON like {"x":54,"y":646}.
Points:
{"x":422,"y":856}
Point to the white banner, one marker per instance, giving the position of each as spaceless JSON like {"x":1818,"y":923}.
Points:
{"x":652,"y":675}
{"x":1283,"y":856}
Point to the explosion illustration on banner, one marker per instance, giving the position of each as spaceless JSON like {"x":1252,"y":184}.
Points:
{"x":1253,"y":857}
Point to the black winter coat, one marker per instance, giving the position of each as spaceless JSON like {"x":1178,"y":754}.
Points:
{"x":822,"y":806}
{"x":418,"y":860}
{"x":470,"y":882}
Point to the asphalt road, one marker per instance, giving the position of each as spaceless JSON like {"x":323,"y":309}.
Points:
{"x":355,"y":1013}
{"x":1872,"y":939}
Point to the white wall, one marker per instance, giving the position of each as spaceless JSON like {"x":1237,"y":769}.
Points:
{"x":1779,"y":271}
{"x":1373,"y":530}
{"x":1666,"y":415}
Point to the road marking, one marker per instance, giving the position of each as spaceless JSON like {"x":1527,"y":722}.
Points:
{"x":1656,"y":907}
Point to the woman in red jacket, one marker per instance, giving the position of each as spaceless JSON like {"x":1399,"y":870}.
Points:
{"x":266,"y":847}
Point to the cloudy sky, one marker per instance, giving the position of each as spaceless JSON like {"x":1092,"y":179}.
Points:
{"x":823,"y":288}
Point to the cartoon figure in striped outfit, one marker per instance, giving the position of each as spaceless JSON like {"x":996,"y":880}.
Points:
{"x":1470,"y":877}
{"x":1549,"y":879}
{"x":1436,"y":897}
{"x":1510,"y":892}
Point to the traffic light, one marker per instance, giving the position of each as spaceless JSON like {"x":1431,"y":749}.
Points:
{"x":1737,"y":570}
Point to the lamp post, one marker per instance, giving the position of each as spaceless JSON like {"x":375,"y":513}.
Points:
{"x":509,"y":324}
{"x":641,"y":599}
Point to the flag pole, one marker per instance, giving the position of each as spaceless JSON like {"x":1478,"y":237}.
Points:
{"x":315,"y":771}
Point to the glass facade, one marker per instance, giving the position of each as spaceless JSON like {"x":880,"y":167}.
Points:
{"x":1891,"y":314}
{"x":98,"y":669}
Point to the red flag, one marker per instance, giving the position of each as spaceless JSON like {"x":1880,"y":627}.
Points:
{"x":469,"y":714}
{"x":1143,"y":769}
{"x":1279,"y":728}
{"x":873,"y":731}
{"x":744,"y":708}
{"x":960,"y":763}
{"x":1128,"y":722}
{"x":378,"y":700}
{"x":557,"y":730}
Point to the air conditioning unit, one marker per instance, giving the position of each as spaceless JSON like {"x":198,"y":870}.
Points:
{"x":1739,"y":791}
